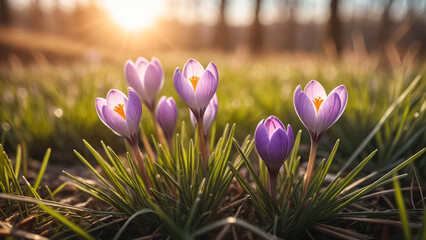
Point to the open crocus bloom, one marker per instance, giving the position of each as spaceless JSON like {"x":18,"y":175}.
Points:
{"x":146,"y":78}
{"x":209,"y":115}
{"x":121,"y":114}
{"x":273,"y":142}
{"x":316,"y":110}
{"x":167,"y":115}
{"x":196,"y":85}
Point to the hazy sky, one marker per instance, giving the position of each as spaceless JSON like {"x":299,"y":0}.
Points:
{"x":240,"y":12}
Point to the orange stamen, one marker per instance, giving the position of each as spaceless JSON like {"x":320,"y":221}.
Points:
{"x":194,"y":80}
{"x":317,"y":102}
{"x":120,"y":110}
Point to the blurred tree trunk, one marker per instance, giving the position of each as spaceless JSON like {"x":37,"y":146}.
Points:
{"x":287,"y":9}
{"x":385,"y":25}
{"x":334,"y":26}
{"x":256,"y":30}
{"x":36,"y":17}
{"x":4,"y":13}
{"x":221,"y":36}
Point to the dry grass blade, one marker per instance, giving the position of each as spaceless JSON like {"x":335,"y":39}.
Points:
{"x":381,"y":221}
{"x":16,"y":233}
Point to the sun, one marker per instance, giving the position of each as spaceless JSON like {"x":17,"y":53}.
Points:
{"x":133,"y":15}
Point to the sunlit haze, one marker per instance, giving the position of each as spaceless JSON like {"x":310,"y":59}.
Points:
{"x":133,"y":15}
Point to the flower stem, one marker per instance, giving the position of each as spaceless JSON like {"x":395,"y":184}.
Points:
{"x":273,"y":186}
{"x":138,"y":156}
{"x":310,"y":169}
{"x":147,"y":145}
{"x":201,"y":142}
{"x":158,"y":129}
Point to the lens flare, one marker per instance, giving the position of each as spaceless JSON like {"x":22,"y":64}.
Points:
{"x":133,"y":15}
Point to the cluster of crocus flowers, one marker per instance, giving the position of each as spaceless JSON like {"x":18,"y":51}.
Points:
{"x":196,"y":86}
{"x":273,"y":143}
{"x":318,"y":112}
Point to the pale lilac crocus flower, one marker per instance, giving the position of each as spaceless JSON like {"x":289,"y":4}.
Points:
{"x":123,"y":116}
{"x":196,"y":86}
{"x":209,"y":115}
{"x":167,"y":115}
{"x":146,"y":78}
{"x":318,"y":112}
{"x":273,"y":143}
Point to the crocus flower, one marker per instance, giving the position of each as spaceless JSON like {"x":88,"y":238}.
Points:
{"x":316,"y":110}
{"x":273,"y":143}
{"x":196,"y":85}
{"x":121,"y":114}
{"x":167,"y":116}
{"x":209,"y":115}
{"x":146,"y":78}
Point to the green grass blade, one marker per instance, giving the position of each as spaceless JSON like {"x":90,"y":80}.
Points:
{"x":402,"y":210}
{"x":66,"y":222}
{"x":130,"y":219}
{"x":42,"y":169}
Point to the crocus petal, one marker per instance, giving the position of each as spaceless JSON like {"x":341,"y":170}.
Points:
{"x":205,"y":89}
{"x":305,"y":109}
{"x":167,"y":115}
{"x":290,"y":137}
{"x":152,"y":83}
{"x":133,"y":112}
{"x":115,"y":122}
{"x":100,"y":102}
{"x":141,"y":63}
{"x":328,"y":112}
{"x":184,"y":89}
{"x":192,"y":68}
{"x":213,"y":69}
{"x":277,"y":148}
{"x":272,"y":123}
{"x":261,"y":140}
{"x":343,"y":95}
{"x":132,"y":78}
{"x":314,"y":90}
{"x":115,"y":97}
{"x":157,"y":63}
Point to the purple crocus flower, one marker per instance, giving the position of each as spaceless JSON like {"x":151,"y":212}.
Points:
{"x":273,"y":143}
{"x":196,"y":85}
{"x":121,"y":114}
{"x":316,"y":110}
{"x":146,"y":78}
{"x":209,"y":115}
{"x":167,"y":116}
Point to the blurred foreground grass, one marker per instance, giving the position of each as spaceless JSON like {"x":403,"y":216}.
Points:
{"x":48,"y":105}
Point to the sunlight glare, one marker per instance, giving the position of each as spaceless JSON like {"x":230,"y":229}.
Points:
{"x":133,"y":15}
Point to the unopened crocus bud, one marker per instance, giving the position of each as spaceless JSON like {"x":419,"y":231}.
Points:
{"x":209,"y":115}
{"x":273,"y":143}
{"x":146,"y":78}
{"x":121,"y":114}
{"x":316,"y":110}
{"x":167,"y":115}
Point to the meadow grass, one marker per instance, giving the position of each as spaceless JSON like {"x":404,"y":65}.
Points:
{"x":45,"y":105}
